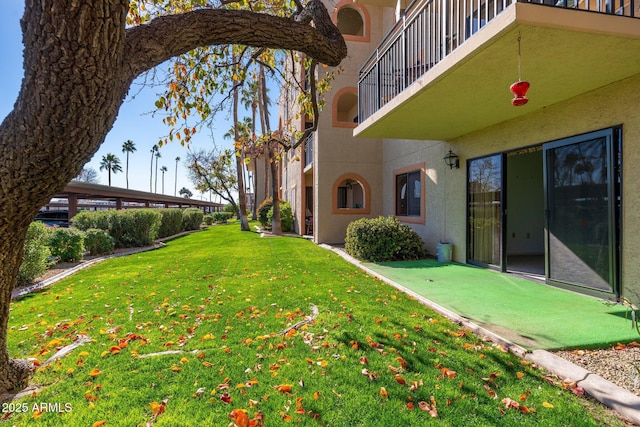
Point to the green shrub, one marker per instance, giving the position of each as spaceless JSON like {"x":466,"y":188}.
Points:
{"x":67,"y":244}
{"x":229,"y":208}
{"x":36,"y":253}
{"x":129,"y":228}
{"x":98,"y":242}
{"x":208,"y":219}
{"x":92,"y":219}
{"x":221,"y":217}
{"x":135,"y":228}
{"x":171,"y":222}
{"x":263,"y":212}
{"x":383,"y":239}
{"x":191,"y":219}
{"x":286,"y":216}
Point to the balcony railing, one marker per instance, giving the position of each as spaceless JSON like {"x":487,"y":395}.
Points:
{"x":432,"y":29}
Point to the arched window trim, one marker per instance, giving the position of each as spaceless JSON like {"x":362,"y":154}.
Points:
{"x":365,"y":20}
{"x":334,"y":108}
{"x":365,"y":210}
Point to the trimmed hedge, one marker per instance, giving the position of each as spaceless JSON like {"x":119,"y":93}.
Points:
{"x":67,"y":244}
{"x":191,"y":219}
{"x":221,"y":217}
{"x":286,"y":216}
{"x":98,"y":242}
{"x":129,"y":228}
{"x":92,"y":219}
{"x":36,"y":253}
{"x":171,"y":222}
{"x":382,"y":239}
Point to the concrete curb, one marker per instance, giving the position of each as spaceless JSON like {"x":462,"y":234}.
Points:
{"x":625,"y":403}
{"x":19,"y":293}
{"x":617,"y":398}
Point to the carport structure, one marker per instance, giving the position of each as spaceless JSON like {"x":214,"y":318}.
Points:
{"x":88,"y":196}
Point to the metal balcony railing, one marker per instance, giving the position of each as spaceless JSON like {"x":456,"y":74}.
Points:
{"x":430,"y":30}
{"x":308,"y":150}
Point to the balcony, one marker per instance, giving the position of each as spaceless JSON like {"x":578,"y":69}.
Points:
{"x":445,"y":69}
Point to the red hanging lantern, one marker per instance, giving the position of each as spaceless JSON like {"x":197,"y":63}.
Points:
{"x":519,"y":90}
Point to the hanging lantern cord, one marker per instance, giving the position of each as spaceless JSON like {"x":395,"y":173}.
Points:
{"x":519,"y":75}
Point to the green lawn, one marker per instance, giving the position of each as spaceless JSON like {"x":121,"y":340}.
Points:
{"x":372,"y":357}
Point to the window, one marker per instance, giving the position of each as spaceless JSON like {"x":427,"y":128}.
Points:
{"x":352,"y":20}
{"x":351,"y":195}
{"x":345,"y":108}
{"x":410,"y":193}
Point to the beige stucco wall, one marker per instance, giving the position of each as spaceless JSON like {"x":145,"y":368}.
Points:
{"x":336,"y":152}
{"x":612,"y":105}
{"x":402,"y":153}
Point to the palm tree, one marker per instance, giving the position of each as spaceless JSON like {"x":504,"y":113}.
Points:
{"x":175,"y":182}
{"x":111,"y":163}
{"x":154,"y":149}
{"x":158,"y":155}
{"x":128,"y":147}
{"x":163,"y":169}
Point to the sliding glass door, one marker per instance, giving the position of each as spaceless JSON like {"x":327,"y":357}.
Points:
{"x":582,"y":208}
{"x":485,"y":211}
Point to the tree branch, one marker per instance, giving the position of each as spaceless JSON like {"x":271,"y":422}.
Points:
{"x":164,"y":37}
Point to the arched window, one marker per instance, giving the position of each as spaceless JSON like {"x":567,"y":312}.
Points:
{"x":351,"y":195}
{"x":352,"y":20}
{"x":345,"y":108}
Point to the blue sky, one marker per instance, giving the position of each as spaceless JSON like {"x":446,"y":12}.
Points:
{"x":134,"y":120}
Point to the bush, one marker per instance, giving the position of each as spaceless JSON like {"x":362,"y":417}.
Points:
{"x":229,"y":208}
{"x":171,"y":222}
{"x":286,"y":216}
{"x":92,"y":219}
{"x":36,"y":253}
{"x":67,"y":244}
{"x":263,"y":212}
{"x":191,"y":219}
{"x":135,"y":228}
{"x":383,"y":239}
{"x":208,"y":219}
{"x":129,"y":228}
{"x":98,"y":242}
{"x":221,"y":217}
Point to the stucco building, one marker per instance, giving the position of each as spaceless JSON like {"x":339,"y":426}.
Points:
{"x":547,"y":188}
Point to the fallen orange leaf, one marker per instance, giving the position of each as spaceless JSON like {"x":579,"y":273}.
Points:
{"x":291,"y":333}
{"x":383,"y":393}
{"x":95,"y":372}
{"x":240,"y":418}
{"x":157,"y":408}
{"x":99,"y":423}
{"x":402,"y":362}
{"x":283,"y":388}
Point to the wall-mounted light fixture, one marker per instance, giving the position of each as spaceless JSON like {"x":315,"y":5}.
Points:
{"x":452,"y":160}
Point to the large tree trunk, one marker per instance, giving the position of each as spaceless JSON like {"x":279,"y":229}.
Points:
{"x":13,"y":373}
{"x":69,"y":99}
{"x":242,"y":194}
{"x":79,"y":61}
